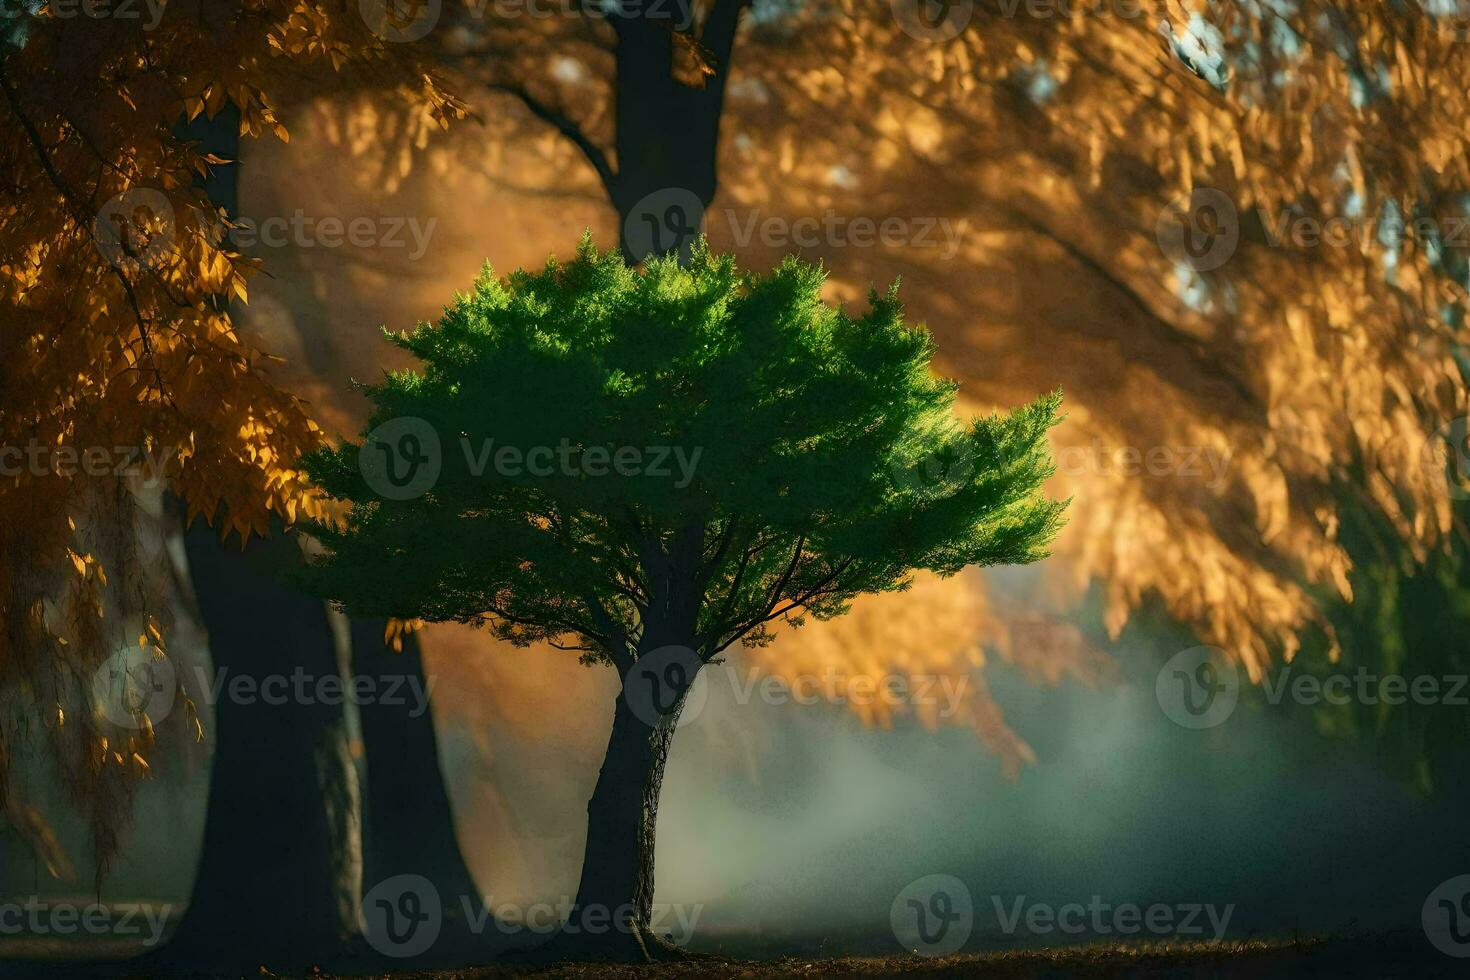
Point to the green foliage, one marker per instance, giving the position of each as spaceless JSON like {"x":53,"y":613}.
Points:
{"x":1403,"y":622}
{"x":822,"y":461}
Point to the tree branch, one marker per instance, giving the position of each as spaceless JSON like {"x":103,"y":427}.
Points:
{"x":79,"y":218}
{"x":821,"y":588}
{"x":567,"y":127}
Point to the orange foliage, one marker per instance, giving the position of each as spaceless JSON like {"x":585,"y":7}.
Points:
{"x":120,"y":363}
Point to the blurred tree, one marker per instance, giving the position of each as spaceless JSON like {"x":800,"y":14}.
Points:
{"x":823,"y":463}
{"x":116,"y":268}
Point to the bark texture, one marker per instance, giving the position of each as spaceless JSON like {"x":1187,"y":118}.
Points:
{"x":410,"y":822}
{"x":280,"y":868}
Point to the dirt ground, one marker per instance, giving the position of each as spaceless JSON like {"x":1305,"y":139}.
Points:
{"x":1377,"y":957}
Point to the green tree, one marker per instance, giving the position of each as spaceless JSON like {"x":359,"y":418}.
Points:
{"x":818,"y":459}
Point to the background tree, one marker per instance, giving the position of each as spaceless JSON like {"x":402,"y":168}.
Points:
{"x":117,"y":274}
{"x":828,"y":465}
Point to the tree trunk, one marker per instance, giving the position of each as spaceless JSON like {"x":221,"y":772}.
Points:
{"x":667,"y":132}
{"x":280,"y":869}
{"x":409,"y":820}
{"x":281,"y":863}
{"x":614,"y":908}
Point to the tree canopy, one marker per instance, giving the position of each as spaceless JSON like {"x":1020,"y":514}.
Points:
{"x":1314,"y":365}
{"x":824,"y":461}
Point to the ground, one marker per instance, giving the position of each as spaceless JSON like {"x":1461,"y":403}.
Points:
{"x":1376,"y":957}
{"x":1379,"y":957}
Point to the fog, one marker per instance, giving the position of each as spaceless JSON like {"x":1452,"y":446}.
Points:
{"x":782,"y":822}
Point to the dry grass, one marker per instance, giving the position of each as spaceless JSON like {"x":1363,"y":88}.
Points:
{"x":1380,"y":957}
{"x":1372,"y":957}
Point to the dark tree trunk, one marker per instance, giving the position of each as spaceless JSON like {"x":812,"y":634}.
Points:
{"x":409,"y":821}
{"x":280,"y":868}
{"x":281,"y":863}
{"x":667,"y":132}
{"x":613,"y":913}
